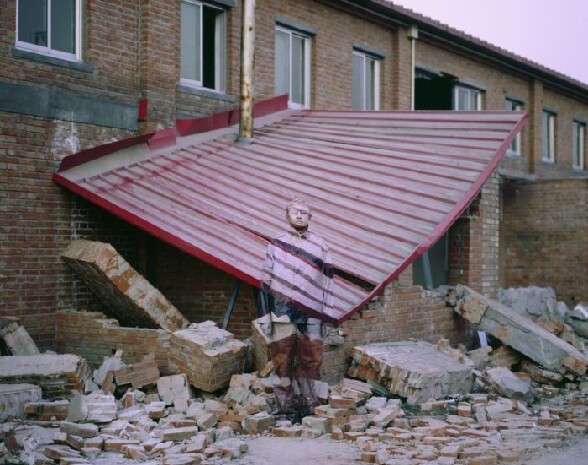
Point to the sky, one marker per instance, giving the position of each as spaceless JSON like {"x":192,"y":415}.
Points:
{"x":551,"y":33}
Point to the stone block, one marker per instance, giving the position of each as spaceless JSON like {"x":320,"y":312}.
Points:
{"x":127,"y":295}
{"x":179,"y":434}
{"x":14,"y":399}
{"x":175,"y":390}
{"x":16,"y":338}
{"x":84,"y":430}
{"x":258,"y":423}
{"x":415,"y":370}
{"x":317,"y":423}
{"x":506,"y":383}
{"x":208,"y":355}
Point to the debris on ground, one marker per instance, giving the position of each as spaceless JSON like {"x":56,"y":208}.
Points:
{"x":519,"y":332}
{"x":403,"y":403}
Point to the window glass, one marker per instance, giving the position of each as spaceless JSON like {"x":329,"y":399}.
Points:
{"x":32,"y":22}
{"x":50,"y":27}
{"x":578,"y":145}
{"x":63,"y":25}
{"x":467,"y":99}
{"x":282,"y":63}
{"x":357,"y":81}
{"x":190,"y":41}
{"x":365,"y":82}
{"x":202,"y":45}
{"x":298,"y":71}
{"x":548,"y":136}
{"x":514,"y":105}
{"x":292,"y":63}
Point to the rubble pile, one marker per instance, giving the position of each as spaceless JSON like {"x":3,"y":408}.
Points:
{"x":165,"y":423}
{"x":540,"y":305}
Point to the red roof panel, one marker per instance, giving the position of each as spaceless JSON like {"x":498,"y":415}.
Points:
{"x":384,"y":186}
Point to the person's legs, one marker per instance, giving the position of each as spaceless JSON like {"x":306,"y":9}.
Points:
{"x":307,"y":370}
{"x":282,"y":350}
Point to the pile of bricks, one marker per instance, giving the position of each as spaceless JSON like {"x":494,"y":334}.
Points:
{"x":208,"y":355}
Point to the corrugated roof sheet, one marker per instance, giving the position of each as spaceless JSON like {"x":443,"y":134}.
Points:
{"x":384,"y":186}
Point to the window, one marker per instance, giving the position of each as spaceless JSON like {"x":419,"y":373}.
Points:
{"x":578,"y":145}
{"x":202,"y":60}
{"x":467,"y":98}
{"x":366,"y":82}
{"x":50,"y":27}
{"x":514,"y":105}
{"x":292,"y":66}
{"x":548,"y":135}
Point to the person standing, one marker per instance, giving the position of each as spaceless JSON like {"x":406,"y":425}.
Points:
{"x":296,"y":289}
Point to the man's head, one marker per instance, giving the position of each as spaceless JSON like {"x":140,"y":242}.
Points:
{"x":298,"y":214}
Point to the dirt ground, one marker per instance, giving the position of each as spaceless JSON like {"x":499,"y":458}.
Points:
{"x":321,"y":451}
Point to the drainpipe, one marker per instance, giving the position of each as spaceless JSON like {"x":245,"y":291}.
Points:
{"x":413,"y":34}
{"x":247,"y":67}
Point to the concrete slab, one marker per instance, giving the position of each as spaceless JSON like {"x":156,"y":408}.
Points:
{"x":415,"y":370}
{"x":126,"y":294}
{"x":519,"y":332}
{"x":59,"y":376}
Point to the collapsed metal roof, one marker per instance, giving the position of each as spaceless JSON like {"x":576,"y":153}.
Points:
{"x":384,"y":186}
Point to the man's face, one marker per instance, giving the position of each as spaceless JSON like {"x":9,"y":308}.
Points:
{"x":298,"y":216}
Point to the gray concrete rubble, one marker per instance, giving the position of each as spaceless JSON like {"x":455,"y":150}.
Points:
{"x":519,"y":332}
{"x":541,"y":305}
{"x":13,"y":398}
{"x":59,"y":376}
{"x":415,"y":370}
{"x":16,"y":338}
{"x":126,"y":294}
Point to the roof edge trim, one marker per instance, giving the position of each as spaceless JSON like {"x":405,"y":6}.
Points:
{"x":183,"y":127}
{"x":154,"y":230}
{"x":450,"y":218}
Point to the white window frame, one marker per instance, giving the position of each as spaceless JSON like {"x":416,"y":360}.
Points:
{"x":472,"y":92}
{"x":368,"y":58}
{"x":307,"y":66}
{"x":512,"y":104}
{"x":219,"y":50}
{"x":578,"y":145}
{"x":548,"y":136}
{"x":47,"y":50}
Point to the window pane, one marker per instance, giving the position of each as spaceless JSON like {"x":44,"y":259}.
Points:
{"x":32,"y":21}
{"x":545,"y":134}
{"x":463,"y":99}
{"x":190,"y":42}
{"x":357,"y":82}
{"x":369,"y":83}
{"x":63,"y":25}
{"x":298,"y":71}
{"x":282,"y":63}
{"x":209,"y":46}
{"x":474,"y":100}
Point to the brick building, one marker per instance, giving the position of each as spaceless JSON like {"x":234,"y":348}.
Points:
{"x":106,"y":71}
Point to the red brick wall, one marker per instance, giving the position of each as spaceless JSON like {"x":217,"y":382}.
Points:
{"x":544,"y":238}
{"x":400,"y":313}
{"x":93,"y":336}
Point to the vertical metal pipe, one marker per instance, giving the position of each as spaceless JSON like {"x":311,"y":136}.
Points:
{"x":413,"y":35}
{"x":247,"y":71}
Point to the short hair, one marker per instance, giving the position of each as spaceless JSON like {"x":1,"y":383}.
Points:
{"x":299,"y":201}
